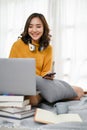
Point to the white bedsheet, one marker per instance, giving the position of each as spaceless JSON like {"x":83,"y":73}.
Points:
{"x":75,"y":106}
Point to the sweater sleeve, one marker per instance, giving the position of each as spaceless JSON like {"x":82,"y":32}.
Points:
{"x":47,"y":66}
{"x":13,"y":51}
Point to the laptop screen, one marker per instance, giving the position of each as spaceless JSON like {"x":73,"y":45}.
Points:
{"x":17,"y":76}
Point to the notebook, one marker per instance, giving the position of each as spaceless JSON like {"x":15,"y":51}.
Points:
{"x":17,"y":76}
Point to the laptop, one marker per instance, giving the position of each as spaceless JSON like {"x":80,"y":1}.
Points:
{"x":17,"y":76}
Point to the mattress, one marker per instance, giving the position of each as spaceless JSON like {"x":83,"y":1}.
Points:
{"x":75,"y":106}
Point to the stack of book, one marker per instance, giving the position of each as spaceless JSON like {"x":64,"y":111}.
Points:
{"x":15,"y":107}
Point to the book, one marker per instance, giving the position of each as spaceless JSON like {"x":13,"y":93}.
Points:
{"x":16,"y":109}
{"x":19,"y":115}
{"x":9,"y":97}
{"x":15,"y":103}
{"x":15,"y":120}
{"x":45,"y":116}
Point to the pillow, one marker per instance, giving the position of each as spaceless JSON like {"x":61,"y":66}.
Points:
{"x":54,"y":90}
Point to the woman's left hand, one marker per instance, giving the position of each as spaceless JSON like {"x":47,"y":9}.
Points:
{"x":49,"y":76}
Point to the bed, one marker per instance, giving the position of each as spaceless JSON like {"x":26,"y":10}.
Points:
{"x":54,"y":92}
{"x":75,"y":106}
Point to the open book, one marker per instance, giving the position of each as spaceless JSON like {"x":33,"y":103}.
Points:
{"x":45,"y":116}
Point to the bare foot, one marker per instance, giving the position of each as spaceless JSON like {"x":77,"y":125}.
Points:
{"x":79,"y":91}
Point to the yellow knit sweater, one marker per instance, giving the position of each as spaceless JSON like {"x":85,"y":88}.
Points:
{"x":43,"y":58}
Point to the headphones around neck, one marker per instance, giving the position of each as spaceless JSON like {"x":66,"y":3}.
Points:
{"x":33,"y":47}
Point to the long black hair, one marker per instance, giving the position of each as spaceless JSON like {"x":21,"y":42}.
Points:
{"x":45,"y":38}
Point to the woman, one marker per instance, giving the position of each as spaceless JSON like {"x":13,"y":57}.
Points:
{"x":35,"y":43}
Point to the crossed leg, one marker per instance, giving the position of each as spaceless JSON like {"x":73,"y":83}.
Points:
{"x":35,"y":100}
{"x":79,"y":91}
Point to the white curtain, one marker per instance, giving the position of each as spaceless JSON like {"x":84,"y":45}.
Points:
{"x":68,"y":24}
{"x":13,"y":15}
{"x":72,"y":30}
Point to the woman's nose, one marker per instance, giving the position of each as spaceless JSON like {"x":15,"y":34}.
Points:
{"x":34,"y":29}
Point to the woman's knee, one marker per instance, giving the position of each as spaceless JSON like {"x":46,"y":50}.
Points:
{"x":35,"y":100}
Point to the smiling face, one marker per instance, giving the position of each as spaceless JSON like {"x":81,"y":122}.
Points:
{"x":35,"y":29}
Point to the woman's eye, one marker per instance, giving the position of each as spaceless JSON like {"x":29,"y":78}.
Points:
{"x":30,"y":26}
{"x":38,"y":26}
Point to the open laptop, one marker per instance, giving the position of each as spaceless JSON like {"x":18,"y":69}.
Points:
{"x":17,"y":76}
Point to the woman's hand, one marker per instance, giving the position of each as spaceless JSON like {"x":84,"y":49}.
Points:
{"x":49,"y":76}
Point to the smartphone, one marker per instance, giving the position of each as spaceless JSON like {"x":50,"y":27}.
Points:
{"x":49,"y":74}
